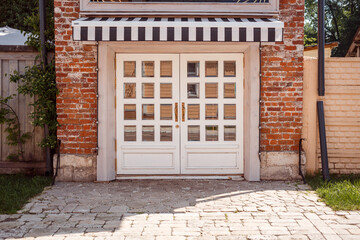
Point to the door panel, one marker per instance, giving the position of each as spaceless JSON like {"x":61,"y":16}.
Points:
{"x":211,"y":93}
{"x":147,"y":133}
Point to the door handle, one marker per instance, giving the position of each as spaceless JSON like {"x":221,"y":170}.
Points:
{"x":176,"y":112}
{"x":183,"y":112}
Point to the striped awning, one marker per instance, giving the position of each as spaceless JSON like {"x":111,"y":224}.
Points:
{"x":178,"y":29}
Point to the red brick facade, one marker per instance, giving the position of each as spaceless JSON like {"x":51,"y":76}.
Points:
{"x":282,"y":74}
{"x":282,"y":83}
{"x":76,"y":79}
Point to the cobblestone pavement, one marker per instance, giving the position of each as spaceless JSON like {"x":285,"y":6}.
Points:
{"x":179,"y":209}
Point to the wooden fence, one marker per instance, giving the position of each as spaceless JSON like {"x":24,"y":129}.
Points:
{"x":34,"y":155}
{"x":342,"y":114}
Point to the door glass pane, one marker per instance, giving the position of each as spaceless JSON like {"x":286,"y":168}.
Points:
{"x":129,"y":111}
{"x":130,"y":133}
{"x":165,"y":111}
{"x":229,"y":133}
{"x":229,"y":69}
{"x":129,"y":90}
{"x":211,"y":111}
{"x":148,"y":111}
{"x":193,"y":90}
{"x":193,"y":69}
{"x":165,"y":133}
{"x":211,"y":68}
{"x":230,"y":111}
{"x":165,"y":90}
{"x":148,"y":69}
{"x":166,"y":69}
{"x":229,"y":90}
{"x":211,"y":90}
{"x":129,"y":69}
{"x":194,"y":133}
{"x":148,"y":90}
{"x":193,"y":111}
{"x":211,"y":133}
{"x":148,"y":133}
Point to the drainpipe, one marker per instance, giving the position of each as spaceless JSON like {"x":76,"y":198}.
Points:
{"x":300,"y":170}
{"x":321,"y":90}
{"x":321,"y":44}
{"x":42,"y":32}
{"x":57,"y":162}
{"x":323,"y":147}
{"x":49,"y":163}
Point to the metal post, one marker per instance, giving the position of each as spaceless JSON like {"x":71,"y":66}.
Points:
{"x":321,"y":45}
{"x":49,"y":162}
{"x":42,"y":31}
{"x":323,"y":146}
{"x":321,"y":89}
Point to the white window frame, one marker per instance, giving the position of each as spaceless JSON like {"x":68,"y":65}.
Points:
{"x":178,"y":8}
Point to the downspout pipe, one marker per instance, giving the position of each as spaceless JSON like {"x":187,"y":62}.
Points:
{"x":323,"y":146}
{"x":42,"y":32}
{"x":321,"y":89}
{"x":42,"y":15}
{"x":57,"y":162}
{"x":321,"y":45}
{"x":300,"y":169}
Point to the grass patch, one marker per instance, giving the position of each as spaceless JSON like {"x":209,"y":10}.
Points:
{"x":342,"y":192}
{"x":16,"y":190}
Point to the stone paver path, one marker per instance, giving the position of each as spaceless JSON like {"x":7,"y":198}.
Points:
{"x":179,"y":210}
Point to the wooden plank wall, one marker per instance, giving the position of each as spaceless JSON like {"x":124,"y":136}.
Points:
{"x":342,"y":115}
{"x":9,"y":62}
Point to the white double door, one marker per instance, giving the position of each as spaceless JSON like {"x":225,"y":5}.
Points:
{"x":179,"y":113}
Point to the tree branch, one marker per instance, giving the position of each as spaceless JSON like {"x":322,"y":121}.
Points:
{"x":329,"y":4}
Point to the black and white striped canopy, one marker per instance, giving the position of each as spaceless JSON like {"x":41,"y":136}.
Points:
{"x":178,"y":29}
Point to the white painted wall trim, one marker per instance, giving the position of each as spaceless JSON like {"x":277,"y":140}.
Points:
{"x":106,"y":114}
{"x":251,"y":114}
{"x":179,"y":8}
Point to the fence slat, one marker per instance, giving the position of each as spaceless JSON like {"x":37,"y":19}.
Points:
{"x":14,"y":103}
{"x":5,"y":92}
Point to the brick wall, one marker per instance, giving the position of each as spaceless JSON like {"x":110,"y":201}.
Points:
{"x":342,"y":115}
{"x":282,"y":70}
{"x":76,"y":78}
{"x":282,"y":83}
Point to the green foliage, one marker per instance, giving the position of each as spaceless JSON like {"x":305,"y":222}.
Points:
{"x":13,"y":13}
{"x":24,"y":15}
{"x":32,"y":21}
{"x":309,"y":41}
{"x":342,"y":18}
{"x":310,"y":37}
{"x":16,"y":190}
{"x":40,"y":82}
{"x":14,"y":137}
{"x":341,"y":193}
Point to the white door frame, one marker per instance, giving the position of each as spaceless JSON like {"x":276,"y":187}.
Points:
{"x":106,"y":160}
